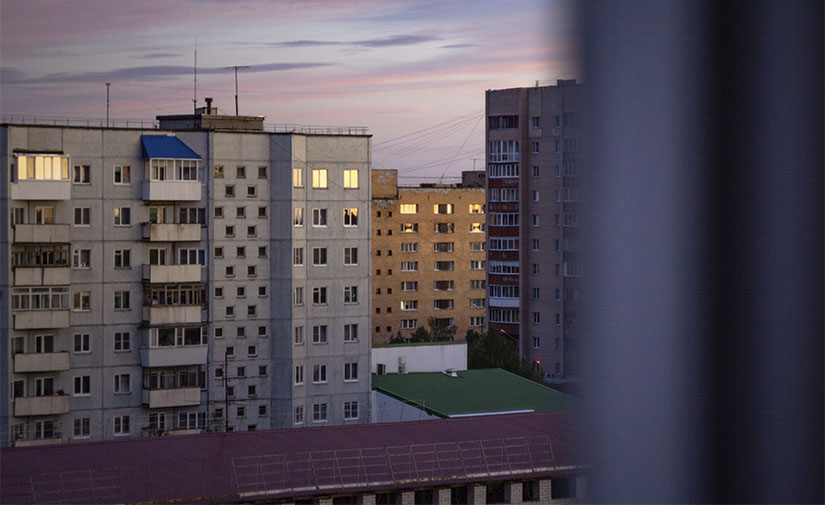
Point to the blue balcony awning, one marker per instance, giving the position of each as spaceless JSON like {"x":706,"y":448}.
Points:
{"x":166,"y":147}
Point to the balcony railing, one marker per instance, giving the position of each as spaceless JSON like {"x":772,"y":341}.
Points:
{"x":41,"y":362}
{"x":42,"y":233}
{"x":156,"y":232}
{"x":40,"y":319}
{"x":42,"y":276}
{"x":25,"y":189}
{"x":172,"y":191}
{"x":41,"y":405}
{"x":152,"y":357}
{"x":165,"y":274}
{"x":177,"y":397}
{"x":172,"y":314}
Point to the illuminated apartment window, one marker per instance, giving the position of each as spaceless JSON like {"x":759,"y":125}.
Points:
{"x":351,"y":178}
{"x":409,"y":208}
{"x":43,"y":168}
{"x":319,"y":178}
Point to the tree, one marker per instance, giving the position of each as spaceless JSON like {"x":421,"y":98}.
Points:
{"x":440,"y":332}
{"x":493,"y":350}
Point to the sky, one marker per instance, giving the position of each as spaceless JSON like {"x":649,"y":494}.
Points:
{"x":413,"y":72}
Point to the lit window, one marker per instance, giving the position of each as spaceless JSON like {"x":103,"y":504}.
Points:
{"x":123,"y":216}
{"x":351,"y":217}
{"x":409,"y":208}
{"x":319,"y":178}
{"x":350,"y":178}
{"x":297,"y":177}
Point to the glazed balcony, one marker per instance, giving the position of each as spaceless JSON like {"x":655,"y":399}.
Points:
{"x":176,"y":397}
{"x":40,"y":319}
{"x":172,"y":191}
{"x":42,"y":276}
{"x":41,"y":190}
{"x":164,"y":274}
{"x":41,"y":362}
{"x":42,"y":233}
{"x":41,"y":405}
{"x":156,"y":232}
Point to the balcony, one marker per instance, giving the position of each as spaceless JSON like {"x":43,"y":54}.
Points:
{"x":172,"y":314}
{"x":173,"y":356}
{"x":172,"y":191}
{"x":41,"y":441}
{"x":178,"y":397}
{"x":171,"y":232}
{"x":40,"y":319}
{"x":534,"y":132}
{"x":41,"y":362}
{"x":496,"y":301}
{"x":162,"y":274}
{"x":41,"y":405}
{"x":42,"y":233}
{"x":42,"y":276}
{"x":41,"y":190}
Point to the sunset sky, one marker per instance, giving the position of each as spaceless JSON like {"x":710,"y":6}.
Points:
{"x":401,"y":68}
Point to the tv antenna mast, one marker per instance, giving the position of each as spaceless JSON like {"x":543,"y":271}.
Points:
{"x":236,"y":67}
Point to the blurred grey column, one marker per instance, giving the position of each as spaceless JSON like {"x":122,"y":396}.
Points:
{"x":705,"y":280}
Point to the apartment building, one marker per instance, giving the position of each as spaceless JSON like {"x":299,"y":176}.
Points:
{"x":427,"y":254}
{"x":204,"y":274}
{"x":533,"y":241}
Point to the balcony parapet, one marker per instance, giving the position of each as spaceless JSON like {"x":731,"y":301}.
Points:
{"x":40,"y":319}
{"x":42,"y":233}
{"x":42,"y":276}
{"x":166,"y":274}
{"x":176,"y":397}
{"x":172,"y":191}
{"x":156,"y":232}
{"x":41,"y":405}
{"x":41,"y":190}
{"x":173,"y":356}
{"x":172,"y":314}
{"x":41,"y":362}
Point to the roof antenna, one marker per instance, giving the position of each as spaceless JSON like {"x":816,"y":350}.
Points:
{"x":195,"y":94}
{"x":236,"y":67}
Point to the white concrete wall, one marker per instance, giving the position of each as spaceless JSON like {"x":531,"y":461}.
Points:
{"x":386,"y":409}
{"x":421,"y":358}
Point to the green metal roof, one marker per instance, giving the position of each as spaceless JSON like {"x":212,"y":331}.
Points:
{"x":473,"y":392}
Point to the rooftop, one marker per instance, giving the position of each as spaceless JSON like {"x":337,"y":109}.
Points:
{"x":264,"y":465}
{"x":473,"y":392}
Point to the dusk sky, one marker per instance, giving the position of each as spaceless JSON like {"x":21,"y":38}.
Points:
{"x":416,"y":69}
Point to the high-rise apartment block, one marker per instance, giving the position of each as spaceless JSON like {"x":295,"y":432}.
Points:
{"x":204,"y":274}
{"x":533,"y":242}
{"x":428,"y":255}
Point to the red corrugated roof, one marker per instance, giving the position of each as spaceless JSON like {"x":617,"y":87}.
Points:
{"x":225,"y":467}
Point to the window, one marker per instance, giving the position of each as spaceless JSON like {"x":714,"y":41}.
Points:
{"x":229,"y":231}
{"x":262,"y":409}
{"x":536,"y":317}
{"x":442,"y":208}
{"x":351,"y":217}
{"x":299,"y":414}
{"x":261,"y":291}
{"x":350,"y":410}
{"x":251,"y":271}
{"x":122,"y":341}
{"x":476,"y":208}
{"x":476,"y":246}
{"x":409,"y":247}
{"x":229,"y":271}
{"x":319,"y":256}
{"x":503,"y":122}
{"x":535,"y":219}
{"x":122,"y":174}
{"x":319,"y":178}
{"x":443,"y":304}
{"x":504,"y":244}
{"x":409,"y":266}
{"x":262,"y":331}
{"x":81,"y":343}
{"x":82,"y":385}
{"x":350,"y":372}
{"x":123,"y":258}
{"x":319,"y":413}
{"x":230,"y":311}
{"x":229,"y":191}
{"x":476,"y":265}
{"x":476,"y":227}
{"x":82,"y":258}
{"x":240,"y":172}
{"x":504,"y":171}
{"x":262,"y":172}
{"x":240,"y":411}
{"x":82,"y":301}
{"x":230,"y":351}
{"x":299,"y":375}
{"x":123,"y":216}
{"x":444,"y":285}
{"x":122,"y":425}
{"x":558,"y":319}
{"x":240,"y":252}
{"x":297,"y":177}
{"x":350,"y":333}
{"x":536,"y":343}
{"x":409,"y":305}
{"x":298,"y":295}
{"x":319,"y":295}
{"x":43,"y":167}
{"x":251,"y":310}
{"x":503,"y":150}
{"x":122,"y":300}
{"x":122,"y":383}
{"x":241,"y":371}
{"x":240,"y":212}
{"x":319,"y":334}
{"x":218,"y":171}
{"x":251,"y":191}
{"x":535,"y":244}
{"x":409,"y":324}
{"x":298,"y":335}
{"x":571,"y":219}
{"x":408,"y":208}
{"x":44,"y":343}
{"x":409,"y":286}
{"x":535,"y":147}
{"x":350,"y":256}
{"x":443,"y":247}
{"x":319,"y":374}
{"x":535,"y":268}
{"x":81,"y":174}
{"x":443,"y":266}
{"x":535,"y":121}
{"x":572,"y":269}
{"x":298,"y":216}
{"x":82,"y":428}
{"x":350,"y":294}
{"x":82,"y":216}
{"x":319,"y":217}
{"x":444,"y":227}
{"x":262,"y":212}
{"x":477,"y":321}
{"x":298,"y":256}
{"x":351,"y":178}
